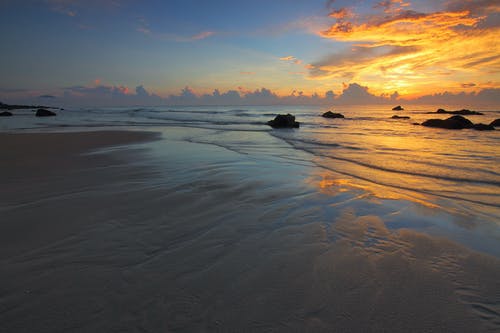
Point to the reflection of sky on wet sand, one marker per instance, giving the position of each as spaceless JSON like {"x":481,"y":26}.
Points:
{"x":399,"y":209}
{"x":212,"y":239}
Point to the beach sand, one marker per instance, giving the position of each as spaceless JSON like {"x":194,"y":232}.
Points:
{"x":205,"y":239}
{"x":50,"y":168}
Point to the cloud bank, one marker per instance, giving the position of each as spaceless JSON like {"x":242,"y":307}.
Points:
{"x":351,"y":94}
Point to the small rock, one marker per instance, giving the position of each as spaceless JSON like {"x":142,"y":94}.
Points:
{"x":5,"y":114}
{"x":330,"y":114}
{"x":44,"y":113}
{"x":284,"y":121}
{"x":397,"y":108}
{"x":495,"y":123}
{"x":400,"y":117}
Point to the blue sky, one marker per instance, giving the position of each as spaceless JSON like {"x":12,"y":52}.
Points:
{"x":285,"y":46}
{"x":155,"y":42}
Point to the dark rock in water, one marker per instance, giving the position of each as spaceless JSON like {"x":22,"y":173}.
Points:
{"x":483,"y":127}
{"x":44,"y":113}
{"x":463,"y":112}
{"x":415,"y":124}
{"x":455,"y":122}
{"x":397,"y":108}
{"x":441,"y":123}
{"x":495,"y":123}
{"x":462,"y":120}
{"x":466,"y":112}
{"x":283,"y":121}
{"x":5,"y":114}
{"x":400,"y":117}
{"x":17,"y":107}
{"x":330,"y":114}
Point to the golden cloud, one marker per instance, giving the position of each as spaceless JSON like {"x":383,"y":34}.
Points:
{"x":412,"y":51}
{"x":291,"y":59}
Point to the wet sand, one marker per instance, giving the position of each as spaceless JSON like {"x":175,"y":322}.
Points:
{"x":40,"y":171}
{"x":202,"y":239}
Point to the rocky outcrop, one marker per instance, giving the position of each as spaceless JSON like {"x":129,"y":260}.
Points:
{"x":5,"y":114}
{"x":463,"y":112}
{"x":284,"y":121}
{"x":44,"y":113}
{"x":330,"y":114}
{"x":400,"y":117}
{"x":495,"y":123}
{"x":455,"y":122}
{"x":397,"y":108}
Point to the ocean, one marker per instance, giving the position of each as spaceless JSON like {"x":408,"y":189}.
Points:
{"x":228,"y":224}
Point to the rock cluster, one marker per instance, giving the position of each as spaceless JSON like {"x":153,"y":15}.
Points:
{"x":463,"y":112}
{"x":456,"y":122}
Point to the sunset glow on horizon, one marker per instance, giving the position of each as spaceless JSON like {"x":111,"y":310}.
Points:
{"x":417,"y":53}
{"x":87,"y":51}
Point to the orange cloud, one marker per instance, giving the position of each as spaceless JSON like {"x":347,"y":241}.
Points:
{"x":341,"y":13}
{"x":412,"y":52}
{"x":407,"y":28}
{"x":391,"y":6}
{"x":291,"y":59}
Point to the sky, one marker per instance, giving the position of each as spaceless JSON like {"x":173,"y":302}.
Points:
{"x":114,"y":52}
